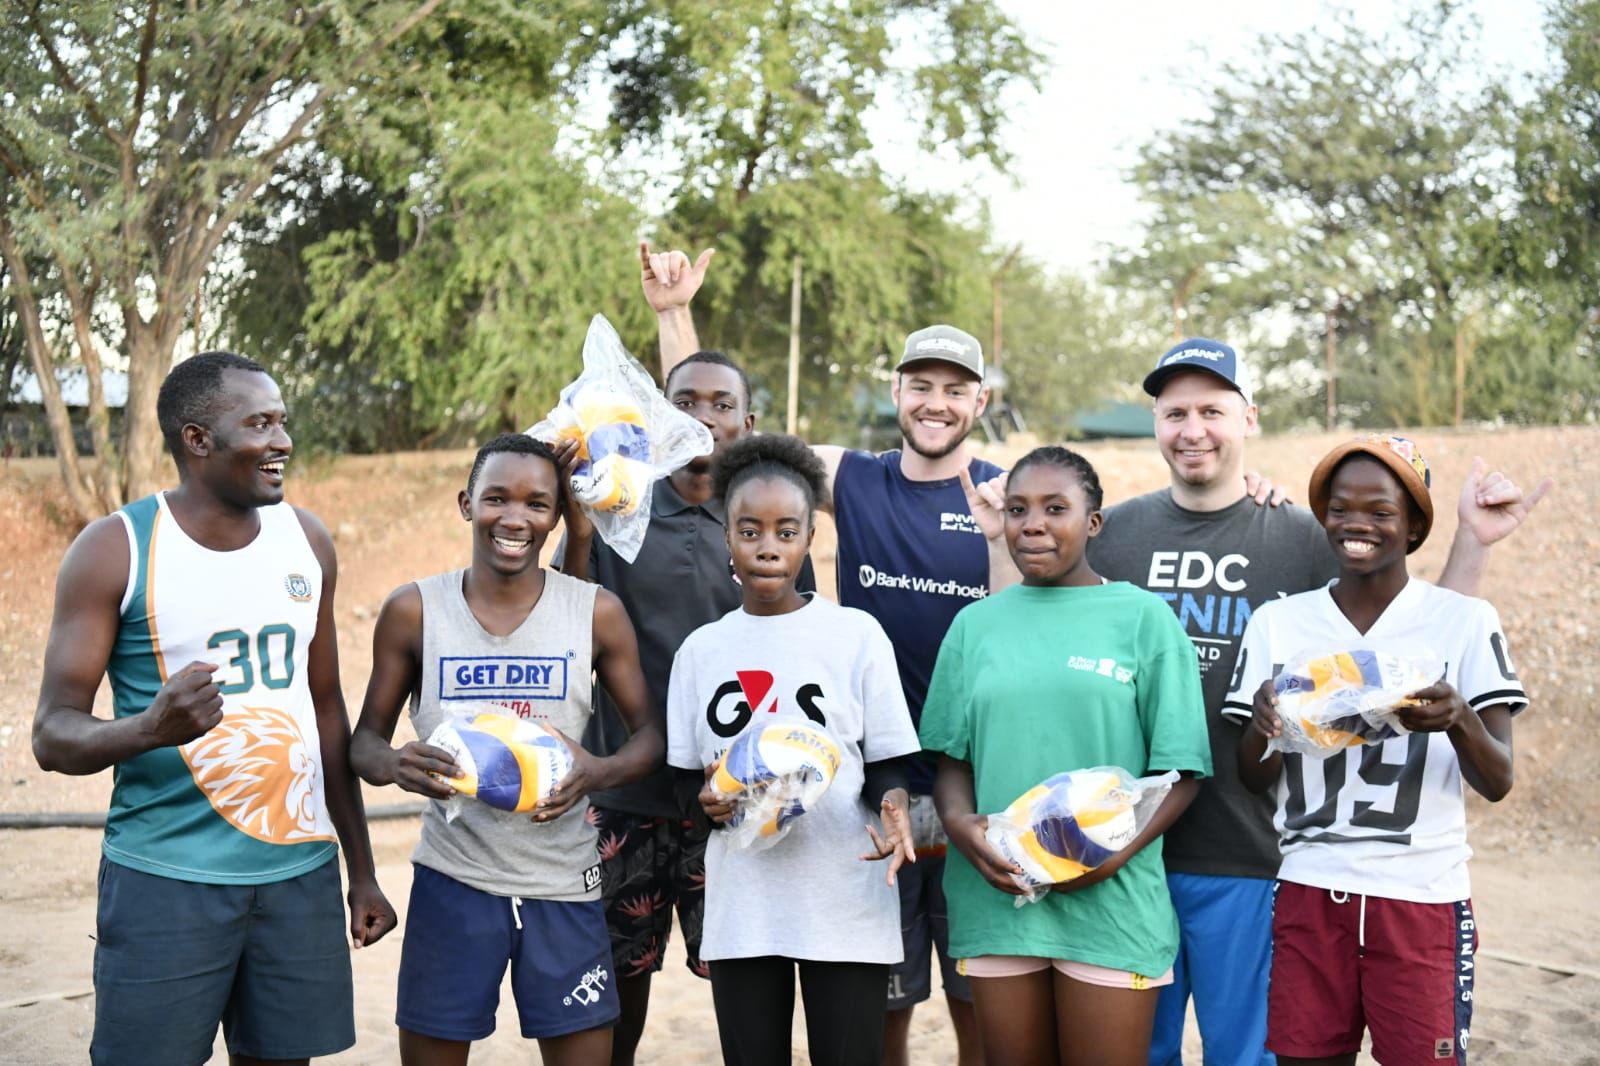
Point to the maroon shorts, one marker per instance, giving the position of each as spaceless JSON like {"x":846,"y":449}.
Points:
{"x":1341,"y":962}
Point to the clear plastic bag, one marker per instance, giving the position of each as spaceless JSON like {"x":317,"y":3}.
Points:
{"x":628,"y":437}
{"x":774,"y":775}
{"x":506,"y":762}
{"x":1340,"y":700}
{"x":1070,"y":823}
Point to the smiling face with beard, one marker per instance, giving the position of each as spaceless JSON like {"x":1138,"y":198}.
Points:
{"x":936,"y":405}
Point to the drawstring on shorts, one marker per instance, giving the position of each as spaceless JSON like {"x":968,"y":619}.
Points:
{"x":1361,"y":920}
{"x":516,"y":915}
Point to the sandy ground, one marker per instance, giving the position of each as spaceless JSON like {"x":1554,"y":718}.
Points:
{"x":394,"y":519}
{"x":1523,"y":1014}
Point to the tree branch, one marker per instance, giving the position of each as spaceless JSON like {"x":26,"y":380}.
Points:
{"x":55,"y":408}
{"x":62,"y":72}
{"x":147,"y":44}
{"x":257,"y":93}
{"x":188,"y":265}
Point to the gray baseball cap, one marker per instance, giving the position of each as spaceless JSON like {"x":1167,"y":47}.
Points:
{"x":944,"y":344}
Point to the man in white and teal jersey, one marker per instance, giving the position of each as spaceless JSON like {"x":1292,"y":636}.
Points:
{"x":210,"y":608}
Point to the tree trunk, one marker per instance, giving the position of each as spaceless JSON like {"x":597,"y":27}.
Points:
{"x":1329,"y":324}
{"x":106,"y":465}
{"x":1466,"y":342}
{"x":792,"y":419}
{"x":141,"y":431}
{"x":83,"y":501}
{"x":1180,"y":304}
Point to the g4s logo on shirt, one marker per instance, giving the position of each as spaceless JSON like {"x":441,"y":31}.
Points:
{"x":736,"y":701}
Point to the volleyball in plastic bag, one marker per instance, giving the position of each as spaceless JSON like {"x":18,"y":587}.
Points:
{"x":1330,"y":702}
{"x":1072,"y":822}
{"x":628,"y":438}
{"x":774,"y":775}
{"x":506,"y":762}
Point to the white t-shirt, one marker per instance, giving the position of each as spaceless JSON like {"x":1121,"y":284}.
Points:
{"x":809,"y":896}
{"x":1386,"y":819}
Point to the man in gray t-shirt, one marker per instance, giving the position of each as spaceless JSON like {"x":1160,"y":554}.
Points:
{"x":1216,"y":568}
{"x":1204,"y":545}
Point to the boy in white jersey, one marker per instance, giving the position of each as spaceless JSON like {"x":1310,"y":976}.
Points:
{"x":1373,"y":922}
{"x":490,"y":886}
{"x":210,"y":607}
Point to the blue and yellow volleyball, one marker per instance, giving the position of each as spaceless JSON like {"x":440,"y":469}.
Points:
{"x":506,"y":762}
{"x":613,"y":469}
{"x":793,"y":760}
{"x":1066,"y":825}
{"x":1346,"y":699}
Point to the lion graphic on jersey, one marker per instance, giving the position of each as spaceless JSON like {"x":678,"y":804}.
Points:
{"x":255,"y":769}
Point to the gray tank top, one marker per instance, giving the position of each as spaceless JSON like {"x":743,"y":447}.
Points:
{"x":542,"y":672}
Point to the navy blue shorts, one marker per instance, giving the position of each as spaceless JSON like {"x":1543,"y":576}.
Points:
{"x":924,"y":921}
{"x":172,"y":959}
{"x":458,"y":941}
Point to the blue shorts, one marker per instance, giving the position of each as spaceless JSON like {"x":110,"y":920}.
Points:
{"x":458,"y":941}
{"x":1224,"y":959}
{"x":173,"y":958}
{"x":924,"y":921}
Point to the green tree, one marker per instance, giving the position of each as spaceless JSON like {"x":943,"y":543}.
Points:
{"x":761,"y":108}
{"x":343,"y":398}
{"x":1072,"y":344}
{"x":136,"y":137}
{"x":1202,"y":250}
{"x":1551,"y":330}
{"x":1363,"y":173}
{"x":482,"y":310}
{"x":497,"y":226}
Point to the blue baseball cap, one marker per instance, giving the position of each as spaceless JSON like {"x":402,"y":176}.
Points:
{"x":1201,"y":353}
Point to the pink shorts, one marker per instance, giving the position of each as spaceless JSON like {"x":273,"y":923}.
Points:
{"x":1018,"y":965}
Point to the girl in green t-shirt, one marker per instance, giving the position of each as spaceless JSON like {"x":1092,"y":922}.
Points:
{"x":1062,"y":672}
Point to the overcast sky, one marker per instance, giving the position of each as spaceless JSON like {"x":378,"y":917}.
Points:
{"x":1123,"y":71}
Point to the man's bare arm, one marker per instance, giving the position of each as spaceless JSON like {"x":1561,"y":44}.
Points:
{"x":67,"y":737}
{"x":396,"y":668}
{"x":371,"y":916}
{"x":1489,"y":509}
{"x":669,"y":282}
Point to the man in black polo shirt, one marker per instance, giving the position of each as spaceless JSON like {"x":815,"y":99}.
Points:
{"x":652,"y":856}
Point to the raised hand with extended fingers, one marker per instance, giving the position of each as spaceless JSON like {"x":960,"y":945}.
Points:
{"x":669,"y":279}
{"x":987,"y":502}
{"x":1492,"y":506}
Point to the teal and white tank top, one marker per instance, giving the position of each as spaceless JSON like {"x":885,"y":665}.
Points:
{"x":541,"y":671}
{"x":242,"y":804}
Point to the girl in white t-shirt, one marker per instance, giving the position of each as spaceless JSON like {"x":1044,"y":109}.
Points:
{"x":1372,"y":925}
{"x":808,"y":902}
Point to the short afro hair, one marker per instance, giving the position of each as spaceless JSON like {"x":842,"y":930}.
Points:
{"x":713,"y":359}
{"x":1065,"y":459}
{"x":768,"y":455}
{"x":517,"y":444}
{"x":190,"y":393}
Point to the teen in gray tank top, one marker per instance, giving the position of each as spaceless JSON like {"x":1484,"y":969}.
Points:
{"x":540,"y":672}
{"x":491,"y":889}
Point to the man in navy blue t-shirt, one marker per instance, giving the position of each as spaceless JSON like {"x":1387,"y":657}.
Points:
{"x":911,"y":554}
